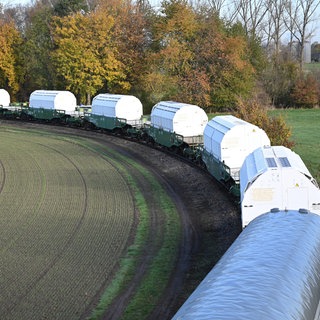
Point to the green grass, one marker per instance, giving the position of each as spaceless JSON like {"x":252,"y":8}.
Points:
{"x":306,"y":135}
{"x":129,"y":263}
{"x":314,"y":66}
{"x":157,"y":277}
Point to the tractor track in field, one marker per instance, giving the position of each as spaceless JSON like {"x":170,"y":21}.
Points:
{"x":210,"y":220}
{"x":71,"y":237}
{"x":4,"y":176}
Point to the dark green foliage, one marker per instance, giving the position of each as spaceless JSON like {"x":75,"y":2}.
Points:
{"x":65,"y":7}
{"x":278,"y":79}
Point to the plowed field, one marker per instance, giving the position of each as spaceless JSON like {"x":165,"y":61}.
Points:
{"x":67,"y":216}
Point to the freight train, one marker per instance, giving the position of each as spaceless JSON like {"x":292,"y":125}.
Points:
{"x":272,"y":270}
{"x":236,"y":153}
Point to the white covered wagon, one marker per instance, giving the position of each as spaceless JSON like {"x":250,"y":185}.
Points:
{"x":53,"y":100}
{"x":115,"y":111}
{"x":229,"y":140}
{"x":4,"y":98}
{"x":276,"y":177}
{"x":52,"y":105}
{"x":126,"y":107}
{"x":170,"y":118}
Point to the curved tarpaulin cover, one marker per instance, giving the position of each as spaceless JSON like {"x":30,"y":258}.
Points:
{"x":270,"y":272}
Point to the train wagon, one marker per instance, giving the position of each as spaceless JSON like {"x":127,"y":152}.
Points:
{"x":52,"y":105}
{"x":174,"y":124}
{"x":227,"y":142}
{"x":4,"y":98}
{"x":270,"y":272}
{"x":276,"y":177}
{"x":115,"y":111}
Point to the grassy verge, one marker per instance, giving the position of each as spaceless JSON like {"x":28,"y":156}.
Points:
{"x":306,"y":134}
{"x":158,"y":274}
{"x":129,"y":263}
{"x":156,"y":279}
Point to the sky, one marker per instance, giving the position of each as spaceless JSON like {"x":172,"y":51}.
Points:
{"x":14,"y":2}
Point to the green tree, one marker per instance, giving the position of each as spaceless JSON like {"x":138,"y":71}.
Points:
{"x":38,"y":71}
{"x":278,"y":78}
{"x":66,"y":7}
{"x":85,"y":54}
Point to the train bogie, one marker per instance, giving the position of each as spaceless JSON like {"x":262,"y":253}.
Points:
{"x":10,"y":112}
{"x":103,"y":122}
{"x":220,"y":172}
{"x":46,"y":114}
{"x":276,"y":177}
{"x":271,"y":271}
{"x":164,"y":138}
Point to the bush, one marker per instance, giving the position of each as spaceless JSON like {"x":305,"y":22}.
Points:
{"x":305,"y":93}
{"x":276,"y":128}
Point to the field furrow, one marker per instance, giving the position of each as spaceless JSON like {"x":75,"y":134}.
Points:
{"x":66,"y":215}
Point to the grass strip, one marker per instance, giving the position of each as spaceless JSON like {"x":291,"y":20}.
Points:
{"x":161,"y":268}
{"x":155,"y":281}
{"x":129,"y":263}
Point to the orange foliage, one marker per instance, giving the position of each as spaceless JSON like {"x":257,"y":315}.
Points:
{"x":305,"y":93}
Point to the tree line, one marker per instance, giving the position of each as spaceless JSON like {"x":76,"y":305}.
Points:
{"x":196,"y":53}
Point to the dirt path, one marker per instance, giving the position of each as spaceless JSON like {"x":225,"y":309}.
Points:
{"x":210,"y":220}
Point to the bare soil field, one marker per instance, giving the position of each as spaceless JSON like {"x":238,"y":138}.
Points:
{"x":210,"y":220}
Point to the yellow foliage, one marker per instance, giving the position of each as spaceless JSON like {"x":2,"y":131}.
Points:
{"x":85,"y":54}
{"x":9,"y":38}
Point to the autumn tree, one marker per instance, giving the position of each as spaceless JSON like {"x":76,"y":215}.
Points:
{"x":173,"y":73}
{"x":9,"y":39}
{"x":223,"y":53}
{"x":130,"y":36}
{"x":305,"y":92}
{"x":85,"y":55}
